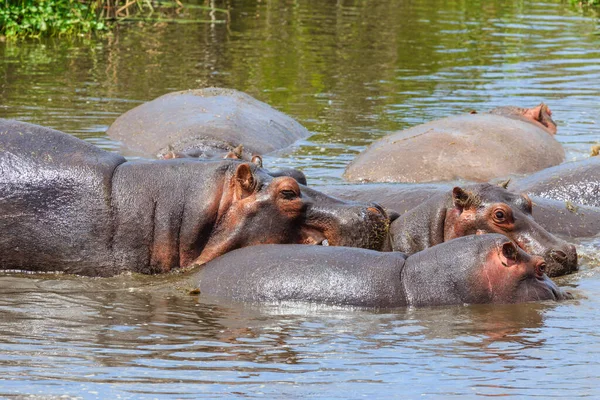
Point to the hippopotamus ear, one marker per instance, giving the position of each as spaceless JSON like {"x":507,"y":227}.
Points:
{"x":464,"y":199}
{"x":236,"y":153}
{"x":509,"y":254}
{"x":244,"y":181}
{"x":504,"y":184}
{"x":543,"y":115}
{"x":256,"y":159}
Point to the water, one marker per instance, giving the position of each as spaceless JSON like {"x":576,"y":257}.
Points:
{"x":351,"y":71}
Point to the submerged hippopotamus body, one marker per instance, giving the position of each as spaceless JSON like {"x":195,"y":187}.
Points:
{"x":576,"y":182}
{"x":475,"y":147}
{"x":66,"y":205}
{"x":473,"y":269}
{"x":430,"y":215}
{"x":206,"y":123}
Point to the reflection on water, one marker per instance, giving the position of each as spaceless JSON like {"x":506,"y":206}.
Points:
{"x":351,"y":71}
{"x":131,"y":336}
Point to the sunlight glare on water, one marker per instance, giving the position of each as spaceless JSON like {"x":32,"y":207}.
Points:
{"x":351,"y":71}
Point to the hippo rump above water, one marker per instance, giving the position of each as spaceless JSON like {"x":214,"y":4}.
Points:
{"x":433,"y":214}
{"x":207,"y":123}
{"x":473,"y":269}
{"x":68,"y":206}
{"x":474,"y":147}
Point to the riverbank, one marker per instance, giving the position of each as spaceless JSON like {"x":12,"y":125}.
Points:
{"x":30,"y":18}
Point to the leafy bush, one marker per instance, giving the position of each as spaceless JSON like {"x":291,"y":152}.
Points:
{"x":48,"y":17}
{"x":586,"y":2}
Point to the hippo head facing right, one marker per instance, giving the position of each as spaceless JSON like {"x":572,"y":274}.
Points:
{"x":512,"y":275}
{"x":477,"y":269}
{"x":257,"y":208}
{"x":486,"y":208}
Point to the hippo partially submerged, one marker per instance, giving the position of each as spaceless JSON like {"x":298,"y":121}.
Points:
{"x":481,"y":208}
{"x":431,"y":215}
{"x":207,"y":123}
{"x":473,"y":269}
{"x":557,"y":217}
{"x":66,"y":205}
{"x":475,"y":147}
{"x":576,"y":182}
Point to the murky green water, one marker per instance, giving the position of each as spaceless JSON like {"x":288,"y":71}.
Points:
{"x":351,"y":71}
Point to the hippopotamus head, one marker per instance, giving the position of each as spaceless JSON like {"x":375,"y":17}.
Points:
{"x":257,"y":208}
{"x":477,"y":209}
{"x":492,"y":270}
{"x":540,"y":116}
{"x":486,"y":208}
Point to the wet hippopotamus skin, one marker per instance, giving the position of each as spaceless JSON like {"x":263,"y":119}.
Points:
{"x":473,"y":269}
{"x":556,"y":216}
{"x":576,"y":182}
{"x":68,"y":206}
{"x":432,"y":214}
{"x":474,"y":147}
{"x":206,"y":123}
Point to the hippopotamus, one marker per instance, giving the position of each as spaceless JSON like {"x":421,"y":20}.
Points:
{"x":473,"y":269}
{"x":431,"y":215}
{"x":576,"y":182}
{"x":206,"y":123}
{"x":68,"y":206}
{"x":473,"y":147}
{"x":557,"y":217}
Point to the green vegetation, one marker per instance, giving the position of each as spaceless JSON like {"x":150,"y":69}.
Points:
{"x":586,"y":2}
{"x":35,"y":18}
{"x":49,"y":17}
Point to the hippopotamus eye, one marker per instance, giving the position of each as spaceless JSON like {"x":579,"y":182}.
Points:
{"x":499,"y":214}
{"x":540,"y":269}
{"x":288,"y":194}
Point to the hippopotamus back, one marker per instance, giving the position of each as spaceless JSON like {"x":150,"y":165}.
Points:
{"x":49,"y":184}
{"x":332,"y":275}
{"x":476,"y":147}
{"x":577,"y":182}
{"x":207,"y":121}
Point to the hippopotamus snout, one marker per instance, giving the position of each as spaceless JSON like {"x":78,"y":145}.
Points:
{"x":547,"y":289}
{"x":348,"y":223}
{"x":562,"y":260}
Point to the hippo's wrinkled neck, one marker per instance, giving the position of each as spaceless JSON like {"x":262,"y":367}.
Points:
{"x":421,"y":227}
{"x":164,"y":211}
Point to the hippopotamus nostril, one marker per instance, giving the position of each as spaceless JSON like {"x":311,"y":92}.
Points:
{"x":573,"y":251}
{"x":558,"y":255}
{"x":377,"y":209}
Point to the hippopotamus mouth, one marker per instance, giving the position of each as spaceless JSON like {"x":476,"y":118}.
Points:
{"x":545,"y":284}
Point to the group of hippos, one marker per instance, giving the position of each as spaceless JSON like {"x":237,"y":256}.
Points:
{"x":198,"y":194}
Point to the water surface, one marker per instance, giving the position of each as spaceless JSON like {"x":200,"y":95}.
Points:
{"x":351,"y":71}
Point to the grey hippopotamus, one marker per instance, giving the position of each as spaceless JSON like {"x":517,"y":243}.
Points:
{"x":472,"y":269}
{"x":207,"y":123}
{"x":576,"y":182}
{"x":431,"y":215}
{"x":474,"y":147}
{"x":558,"y":217}
{"x":66,"y":205}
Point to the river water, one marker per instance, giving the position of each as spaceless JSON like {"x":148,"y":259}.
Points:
{"x":351,"y":71}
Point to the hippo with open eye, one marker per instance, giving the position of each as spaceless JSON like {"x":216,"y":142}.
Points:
{"x":476,"y":209}
{"x":475,"y":147}
{"x":68,"y":206}
{"x":432,"y":214}
{"x":473,"y":269}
